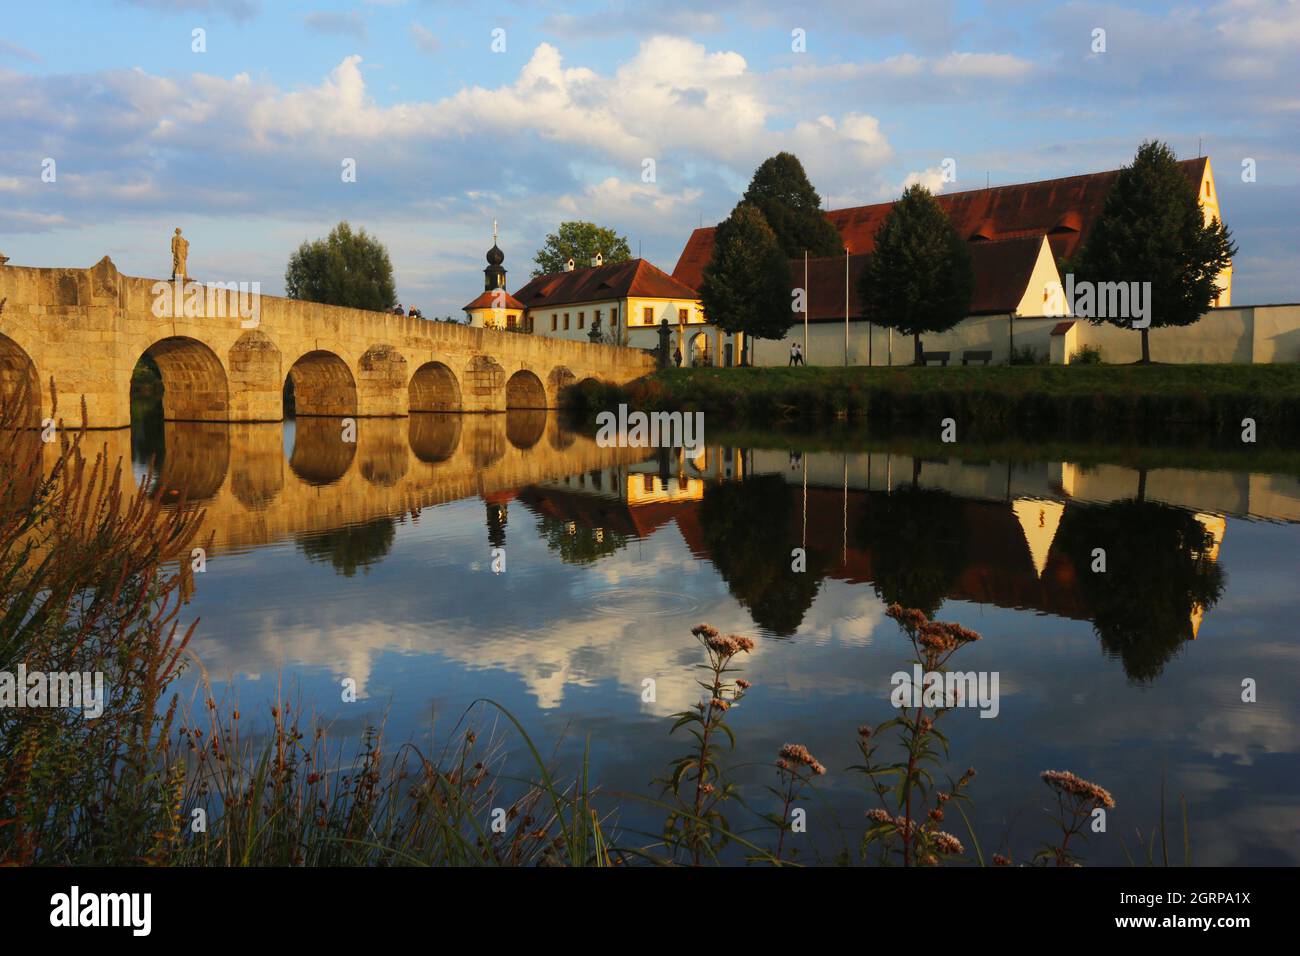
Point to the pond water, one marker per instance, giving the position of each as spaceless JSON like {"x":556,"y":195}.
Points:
{"x":375,"y":561}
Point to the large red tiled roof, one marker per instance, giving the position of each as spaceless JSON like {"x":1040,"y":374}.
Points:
{"x":636,"y":277}
{"x":1002,"y":270}
{"x":1062,"y":209}
{"x":488,"y":301}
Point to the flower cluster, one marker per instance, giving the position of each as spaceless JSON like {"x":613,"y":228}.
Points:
{"x":792,"y":755}
{"x":726,"y":647}
{"x":944,"y":637}
{"x":1065,"y":782}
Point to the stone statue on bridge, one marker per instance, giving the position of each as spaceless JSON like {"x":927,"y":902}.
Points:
{"x":180,"y":252}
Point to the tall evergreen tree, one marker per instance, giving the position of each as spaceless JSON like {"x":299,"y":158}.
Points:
{"x":346,"y":268}
{"x":1152,"y":230}
{"x":919,"y":278}
{"x":781,"y":191}
{"x":746,"y":286}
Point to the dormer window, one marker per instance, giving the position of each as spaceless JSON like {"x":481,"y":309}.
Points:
{"x":1070,"y":222}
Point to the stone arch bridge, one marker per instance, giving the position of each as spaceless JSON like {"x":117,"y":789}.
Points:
{"x":87,"y":328}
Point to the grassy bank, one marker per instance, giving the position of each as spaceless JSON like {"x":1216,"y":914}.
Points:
{"x":1086,"y":400}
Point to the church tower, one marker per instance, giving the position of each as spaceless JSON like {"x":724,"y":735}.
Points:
{"x":494,"y":276}
{"x":495,"y":308}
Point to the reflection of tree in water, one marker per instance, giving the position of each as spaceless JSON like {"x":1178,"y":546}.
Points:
{"x":747,"y":528}
{"x":1159,"y":574}
{"x":353,"y":547}
{"x":581,"y":545}
{"x":916,"y":537}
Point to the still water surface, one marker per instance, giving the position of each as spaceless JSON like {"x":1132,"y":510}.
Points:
{"x":374,"y":561}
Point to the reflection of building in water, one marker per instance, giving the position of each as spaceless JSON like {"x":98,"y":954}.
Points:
{"x":634,"y":500}
{"x":923,"y":532}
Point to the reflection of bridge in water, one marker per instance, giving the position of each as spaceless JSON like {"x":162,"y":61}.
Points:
{"x":252,"y":496}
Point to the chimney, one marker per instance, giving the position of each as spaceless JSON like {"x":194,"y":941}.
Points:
{"x":568,"y":266}
{"x":598,"y":260}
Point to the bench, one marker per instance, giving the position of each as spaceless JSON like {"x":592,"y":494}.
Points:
{"x":983,"y":357}
{"x":940,"y":357}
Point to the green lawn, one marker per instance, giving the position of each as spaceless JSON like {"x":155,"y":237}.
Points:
{"x":1084,"y":397}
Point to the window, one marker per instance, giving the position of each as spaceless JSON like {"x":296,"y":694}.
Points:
{"x":596,"y":320}
{"x":582,"y":320}
{"x":648,"y":315}
{"x":566,"y":321}
{"x":683,"y":315}
{"x":510,"y":320}
{"x":554,"y":322}
{"x":613,"y":316}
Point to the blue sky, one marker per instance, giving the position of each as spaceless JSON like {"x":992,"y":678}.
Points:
{"x":242,"y":145}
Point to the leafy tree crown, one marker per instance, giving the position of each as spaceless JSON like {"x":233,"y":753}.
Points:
{"x":919,"y":278}
{"x":580,"y":241}
{"x":345,"y":268}
{"x":781,"y":191}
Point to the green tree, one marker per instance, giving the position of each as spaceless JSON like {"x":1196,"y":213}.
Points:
{"x":346,"y":268}
{"x":919,"y":278}
{"x":580,"y":241}
{"x":781,"y":191}
{"x":746,"y":285}
{"x":1152,"y":230}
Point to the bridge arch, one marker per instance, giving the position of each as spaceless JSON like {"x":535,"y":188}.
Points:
{"x":323,"y":385}
{"x":434,"y":388}
{"x":19,"y":383}
{"x":381,"y":381}
{"x":525,"y":390}
{"x":195,"y":387}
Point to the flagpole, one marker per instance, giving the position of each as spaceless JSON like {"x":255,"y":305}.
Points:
{"x":805,"y":306}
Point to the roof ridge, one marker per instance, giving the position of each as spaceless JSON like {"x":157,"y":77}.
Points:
{"x":1032,"y":182}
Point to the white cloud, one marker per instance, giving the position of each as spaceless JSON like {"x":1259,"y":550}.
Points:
{"x":424,"y":38}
